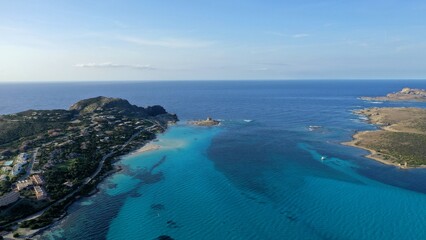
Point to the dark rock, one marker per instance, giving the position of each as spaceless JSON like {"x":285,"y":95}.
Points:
{"x":164,"y":237}
{"x":157,"y":206}
{"x":155,"y":110}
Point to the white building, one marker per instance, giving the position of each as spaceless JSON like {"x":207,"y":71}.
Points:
{"x":17,"y":169}
{"x":23,"y":157}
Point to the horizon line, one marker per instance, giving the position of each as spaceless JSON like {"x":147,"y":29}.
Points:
{"x":210,"y":80}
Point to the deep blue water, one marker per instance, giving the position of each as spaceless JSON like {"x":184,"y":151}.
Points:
{"x":257,"y":179}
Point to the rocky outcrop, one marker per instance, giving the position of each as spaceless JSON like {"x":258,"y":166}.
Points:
{"x":406,"y":94}
{"x":102,"y":104}
{"x":205,"y":123}
{"x":90,"y":105}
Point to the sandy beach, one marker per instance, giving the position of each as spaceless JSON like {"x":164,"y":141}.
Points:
{"x":373,"y":154}
{"x":146,"y":148}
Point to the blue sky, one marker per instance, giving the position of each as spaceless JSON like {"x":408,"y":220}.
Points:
{"x":208,"y":40}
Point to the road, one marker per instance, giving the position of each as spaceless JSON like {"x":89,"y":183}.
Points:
{"x":30,"y":166}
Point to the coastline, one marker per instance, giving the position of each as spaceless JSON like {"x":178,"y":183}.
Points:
{"x":145,"y":147}
{"x":373,"y":155}
{"x":382,"y":148}
{"x":148,"y":146}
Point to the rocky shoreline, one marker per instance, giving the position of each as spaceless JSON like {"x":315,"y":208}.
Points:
{"x":406,"y":94}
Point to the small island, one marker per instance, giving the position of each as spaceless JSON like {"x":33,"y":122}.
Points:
{"x":49,"y":158}
{"x":205,"y":123}
{"x":406,"y":94}
{"x":401,"y":139}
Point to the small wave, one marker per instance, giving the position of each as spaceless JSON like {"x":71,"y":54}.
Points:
{"x":314,"y":128}
{"x":377,"y":102}
{"x":248,"y":120}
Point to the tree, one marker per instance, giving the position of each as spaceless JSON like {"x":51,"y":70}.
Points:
{"x":5,"y":186}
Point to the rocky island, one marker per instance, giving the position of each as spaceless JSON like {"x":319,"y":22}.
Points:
{"x":49,"y":158}
{"x":205,"y":123}
{"x":401,"y":139}
{"x":406,"y":94}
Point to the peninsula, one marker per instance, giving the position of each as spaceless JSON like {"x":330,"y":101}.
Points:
{"x":49,"y":158}
{"x":401,"y":139}
{"x":406,"y":94}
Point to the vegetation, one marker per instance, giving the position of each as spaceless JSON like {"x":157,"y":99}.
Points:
{"x":20,"y":209}
{"x":401,"y":147}
{"x":30,"y":123}
{"x":70,"y":146}
{"x":4,"y":186}
{"x":401,"y":140}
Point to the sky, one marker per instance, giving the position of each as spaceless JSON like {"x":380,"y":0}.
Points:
{"x":212,"y":40}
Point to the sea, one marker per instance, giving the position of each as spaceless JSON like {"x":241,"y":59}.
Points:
{"x":274,"y":169}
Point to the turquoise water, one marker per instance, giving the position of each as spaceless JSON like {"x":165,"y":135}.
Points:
{"x":258,"y":176}
{"x":176,"y":191}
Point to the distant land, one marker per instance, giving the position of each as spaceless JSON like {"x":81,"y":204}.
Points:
{"x":401,"y":139}
{"x":406,"y":94}
{"x":49,"y":158}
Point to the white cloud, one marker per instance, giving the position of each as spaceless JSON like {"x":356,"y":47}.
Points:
{"x":114,"y":65}
{"x":300,"y":35}
{"x":169,"y":43}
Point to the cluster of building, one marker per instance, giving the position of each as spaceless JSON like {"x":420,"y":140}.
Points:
{"x":98,"y":123}
{"x":14,"y":167}
{"x":19,"y":163}
{"x":35,"y":181}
